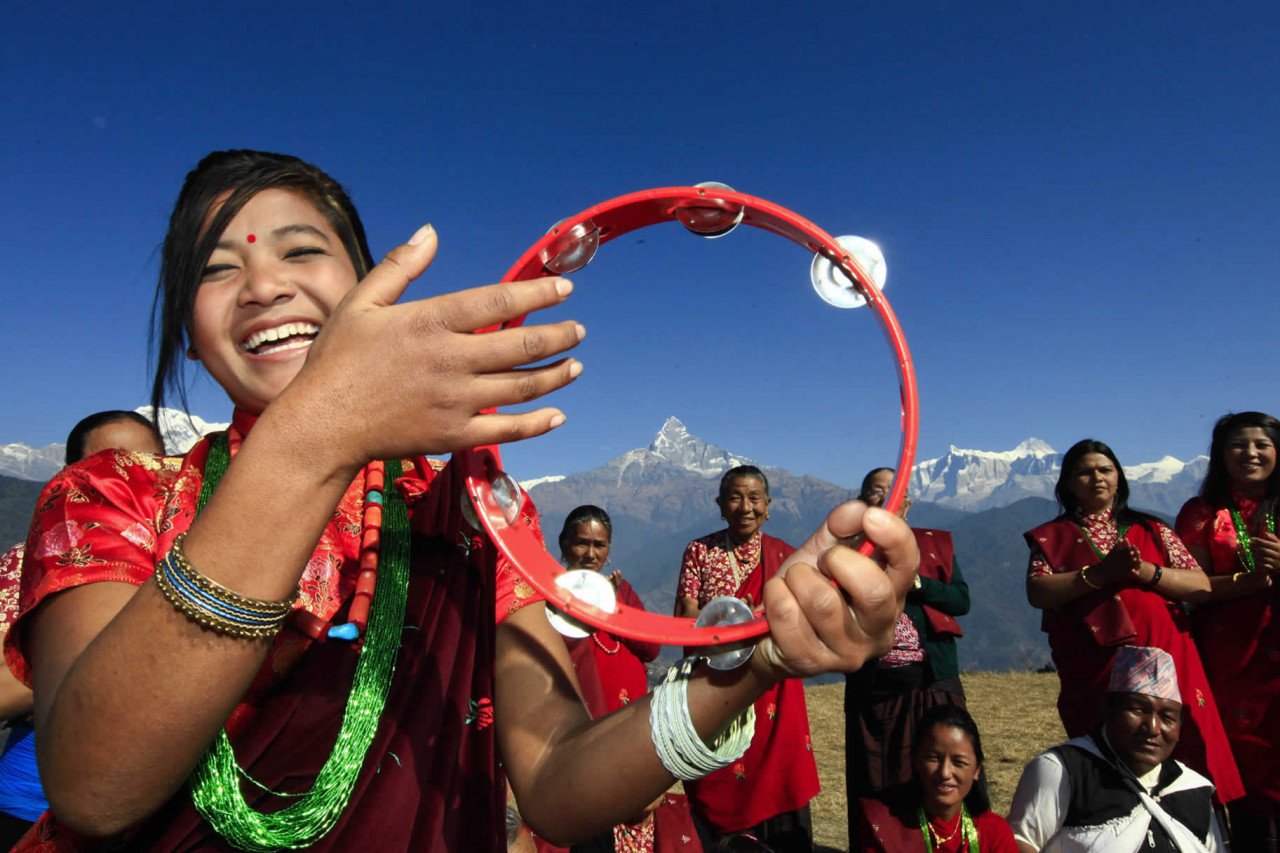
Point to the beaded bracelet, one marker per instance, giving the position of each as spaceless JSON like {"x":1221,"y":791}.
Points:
{"x":1084,"y":577}
{"x":209,"y":603}
{"x":680,"y":749}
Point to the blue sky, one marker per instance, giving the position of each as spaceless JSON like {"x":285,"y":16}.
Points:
{"x":1077,"y":202}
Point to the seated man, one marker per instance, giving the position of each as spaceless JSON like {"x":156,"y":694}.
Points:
{"x":1118,"y":790}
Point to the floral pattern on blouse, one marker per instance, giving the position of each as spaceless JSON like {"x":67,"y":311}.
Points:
{"x":1105,"y":534}
{"x":707,"y":570}
{"x":10,"y":583}
{"x":1200,"y":524}
{"x":112,"y":516}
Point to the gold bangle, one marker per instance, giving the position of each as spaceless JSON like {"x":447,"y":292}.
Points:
{"x":1085,"y":577}
{"x":1236,"y":577}
{"x":209,"y":603}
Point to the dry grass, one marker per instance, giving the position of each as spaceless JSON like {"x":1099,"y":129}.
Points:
{"x":1016,"y":715}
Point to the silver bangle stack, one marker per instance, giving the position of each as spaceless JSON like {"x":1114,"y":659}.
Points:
{"x":680,"y":749}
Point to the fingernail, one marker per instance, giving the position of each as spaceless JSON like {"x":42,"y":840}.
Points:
{"x":421,"y":234}
{"x":575,"y":369}
{"x":556,"y":420}
{"x":581,"y":330}
{"x":563,"y":286}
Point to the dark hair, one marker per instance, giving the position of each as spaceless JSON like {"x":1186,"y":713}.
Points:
{"x":1217,"y":485}
{"x":581,"y":515}
{"x":79,"y":435}
{"x":955,"y":717}
{"x":236,"y":176}
{"x":1067,"y":500}
{"x":745,"y":472}
{"x":866,"y":481}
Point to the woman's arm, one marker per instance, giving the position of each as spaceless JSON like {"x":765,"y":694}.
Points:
{"x":1047,"y":592}
{"x":128,"y":692}
{"x":951,"y":598}
{"x":687,"y":608}
{"x":575,"y":777}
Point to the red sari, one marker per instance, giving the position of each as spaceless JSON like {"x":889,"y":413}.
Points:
{"x":1084,"y":634}
{"x":611,"y":670}
{"x":892,"y":825}
{"x":430,"y":780}
{"x":778,"y":774}
{"x":1240,"y":643}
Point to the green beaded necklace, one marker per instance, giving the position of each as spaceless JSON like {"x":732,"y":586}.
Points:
{"x":967,"y":830}
{"x":1243,"y":540}
{"x":215,"y":783}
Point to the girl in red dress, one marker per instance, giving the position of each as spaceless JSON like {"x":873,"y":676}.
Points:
{"x":945,"y":808}
{"x":1231,"y":530}
{"x":223,"y":690}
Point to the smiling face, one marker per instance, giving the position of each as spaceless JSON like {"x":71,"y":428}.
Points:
{"x":946,"y":766}
{"x":744,"y":503}
{"x":586,"y":547}
{"x":276,"y":275}
{"x":1094,"y":481}
{"x":1143,"y":730}
{"x":1250,"y":459}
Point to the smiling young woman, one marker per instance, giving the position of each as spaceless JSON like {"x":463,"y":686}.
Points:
{"x":187,"y":624}
{"x":945,"y":807}
{"x":1231,"y":530}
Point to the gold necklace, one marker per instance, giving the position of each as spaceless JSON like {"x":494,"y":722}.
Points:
{"x":938,"y":840}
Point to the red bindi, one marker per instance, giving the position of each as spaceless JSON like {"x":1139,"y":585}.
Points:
{"x":252,"y":238}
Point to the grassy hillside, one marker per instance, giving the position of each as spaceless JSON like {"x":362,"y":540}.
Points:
{"x":17,"y":500}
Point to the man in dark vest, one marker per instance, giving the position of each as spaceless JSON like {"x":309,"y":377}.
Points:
{"x":1118,"y":790}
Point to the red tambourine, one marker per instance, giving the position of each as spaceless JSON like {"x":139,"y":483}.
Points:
{"x":709,"y":210}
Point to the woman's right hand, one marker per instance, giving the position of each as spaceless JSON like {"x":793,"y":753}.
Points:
{"x":1120,"y":565}
{"x":387,"y":380}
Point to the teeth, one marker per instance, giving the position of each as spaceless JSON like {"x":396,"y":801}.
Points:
{"x":281,"y":332}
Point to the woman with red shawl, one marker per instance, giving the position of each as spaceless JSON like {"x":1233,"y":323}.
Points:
{"x":1106,"y":576}
{"x":767,"y":792}
{"x":1231,"y":530}
{"x":223,"y":690}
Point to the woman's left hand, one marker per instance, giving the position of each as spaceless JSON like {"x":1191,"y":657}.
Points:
{"x":815,"y":626}
{"x":1266,"y":552}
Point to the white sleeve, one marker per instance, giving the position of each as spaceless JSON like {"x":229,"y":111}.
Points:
{"x":1040,"y":803}
{"x":1214,"y":843}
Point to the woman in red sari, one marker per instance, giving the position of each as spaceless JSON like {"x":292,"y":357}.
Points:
{"x":169,"y":673}
{"x":611,"y":673}
{"x":1105,"y":576}
{"x":767,"y":793}
{"x":1231,"y":530}
{"x":611,"y":670}
{"x":945,"y":807}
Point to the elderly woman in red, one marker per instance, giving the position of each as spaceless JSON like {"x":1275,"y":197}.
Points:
{"x":278,"y":641}
{"x":1231,"y":530}
{"x":1106,"y":576}
{"x":611,"y":670}
{"x":767,"y":793}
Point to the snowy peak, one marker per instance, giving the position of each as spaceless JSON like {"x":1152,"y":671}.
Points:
{"x":675,"y":445}
{"x":982,"y":479}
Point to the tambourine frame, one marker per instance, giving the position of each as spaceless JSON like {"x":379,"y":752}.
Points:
{"x":613,"y":219}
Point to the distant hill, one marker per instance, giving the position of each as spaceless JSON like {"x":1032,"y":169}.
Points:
{"x":17,"y":500}
{"x":662,"y":496}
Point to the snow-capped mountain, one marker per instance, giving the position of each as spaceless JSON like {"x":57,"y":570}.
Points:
{"x":31,"y":463}
{"x":974,"y":480}
{"x":674,"y":446}
{"x":180,"y":431}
